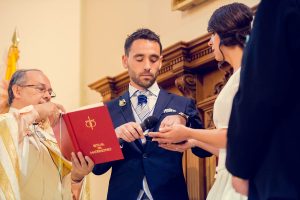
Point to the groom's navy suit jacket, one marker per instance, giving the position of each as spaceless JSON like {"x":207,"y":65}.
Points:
{"x":162,"y":168}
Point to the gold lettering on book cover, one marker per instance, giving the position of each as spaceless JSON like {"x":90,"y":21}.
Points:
{"x":90,"y":123}
{"x":100,"y":148}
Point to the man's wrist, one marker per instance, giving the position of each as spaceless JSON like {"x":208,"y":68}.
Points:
{"x":76,"y":179}
{"x":185,"y":116}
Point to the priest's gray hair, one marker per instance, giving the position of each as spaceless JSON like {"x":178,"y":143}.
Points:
{"x":18,"y":78}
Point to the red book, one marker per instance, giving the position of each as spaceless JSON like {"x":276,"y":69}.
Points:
{"x":89,"y":131}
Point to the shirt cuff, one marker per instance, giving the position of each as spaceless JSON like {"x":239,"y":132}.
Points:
{"x":30,"y":112}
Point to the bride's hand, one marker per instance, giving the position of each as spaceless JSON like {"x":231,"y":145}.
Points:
{"x":171,"y":134}
{"x":240,"y":185}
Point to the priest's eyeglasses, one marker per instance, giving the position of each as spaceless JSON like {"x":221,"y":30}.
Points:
{"x":41,"y":89}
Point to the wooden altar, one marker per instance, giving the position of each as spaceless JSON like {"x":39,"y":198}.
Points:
{"x":188,"y":69}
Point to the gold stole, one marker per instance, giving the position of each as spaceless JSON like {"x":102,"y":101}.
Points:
{"x":6,"y":137}
{"x":64,"y":166}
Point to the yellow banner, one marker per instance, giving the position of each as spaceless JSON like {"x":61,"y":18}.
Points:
{"x":12,"y":59}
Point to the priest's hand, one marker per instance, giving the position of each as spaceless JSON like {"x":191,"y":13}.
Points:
{"x":81,"y":166}
{"x":49,"y":110}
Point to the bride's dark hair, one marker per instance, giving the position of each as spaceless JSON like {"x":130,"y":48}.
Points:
{"x":232,"y":23}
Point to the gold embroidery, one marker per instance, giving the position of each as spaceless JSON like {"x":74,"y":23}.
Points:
{"x":5,"y":185}
{"x":63,"y":166}
{"x":86,"y":191}
{"x":10,"y":147}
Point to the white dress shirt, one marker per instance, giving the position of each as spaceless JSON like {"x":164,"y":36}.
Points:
{"x":151,"y":102}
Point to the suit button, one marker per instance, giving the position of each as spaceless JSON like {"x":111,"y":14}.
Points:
{"x":145,"y":155}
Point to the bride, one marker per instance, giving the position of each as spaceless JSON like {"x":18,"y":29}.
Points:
{"x":229,"y":26}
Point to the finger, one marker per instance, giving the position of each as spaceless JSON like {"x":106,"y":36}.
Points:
{"x":134,"y":133}
{"x":171,"y":148}
{"x":128,"y":134}
{"x":153,"y":134}
{"x":168,"y":121}
{"x":55,"y":118}
{"x":131,"y":128}
{"x":125,"y":137}
{"x":162,"y":124}
{"x":90,"y":163}
{"x":82,"y":160}
{"x":165,"y":129}
{"x":160,"y":140}
{"x":166,"y":147}
{"x":156,"y":135}
{"x":175,"y":147}
{"x":60,"y":107}
{"x":138,"y":129}
{"x":125,"y":133}
{"x":75,"y":161}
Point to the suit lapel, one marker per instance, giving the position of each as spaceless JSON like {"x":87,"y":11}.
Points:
{"x":126,"y":109}
{"x":127,"y":113}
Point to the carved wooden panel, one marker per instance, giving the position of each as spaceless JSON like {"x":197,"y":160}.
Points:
{"x":206,"y":108}
{"x":186,"y":84}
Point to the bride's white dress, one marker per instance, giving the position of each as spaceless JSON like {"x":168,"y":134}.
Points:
{"x":222,"y":188}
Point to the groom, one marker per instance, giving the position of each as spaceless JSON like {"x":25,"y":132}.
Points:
{"x":148,"y":171}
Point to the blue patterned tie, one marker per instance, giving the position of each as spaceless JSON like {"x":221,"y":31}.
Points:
{"x":142,"y":99}
{"x":142,"y":109}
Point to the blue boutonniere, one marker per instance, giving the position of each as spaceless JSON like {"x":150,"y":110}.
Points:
{"x":122,"y":102}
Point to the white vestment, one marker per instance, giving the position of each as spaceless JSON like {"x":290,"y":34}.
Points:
{"x":34,"y":167}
